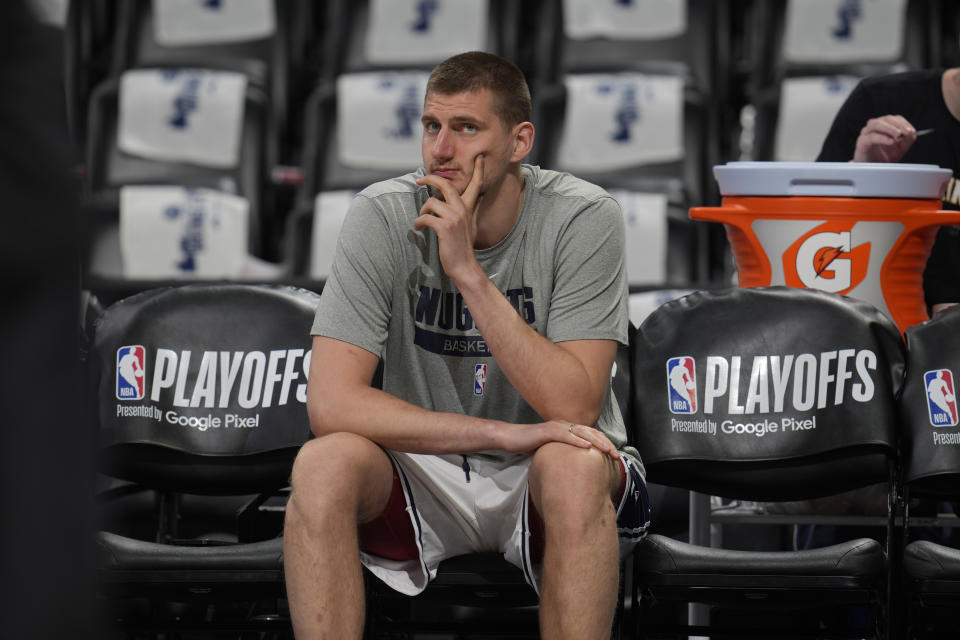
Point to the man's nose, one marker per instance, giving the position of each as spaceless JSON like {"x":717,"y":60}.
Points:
{"x":443,"y":145}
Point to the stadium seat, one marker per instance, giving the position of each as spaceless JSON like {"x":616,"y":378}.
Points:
{"x":817,"y":37}
{"x":793,"y":118}
{"x":688,"y":38}
{"x":364,"y":128}
{"x":199,"y":396}
{"x":312,"y":233}
{"x":266,"y":40}
{"x":653,"y":75}
{"x":413,"y":34}
{"x":931,"y":471}
{"x":358,"y":129}
{"x":203,"y":132}
{"x":768,"y":394}
{"x":653,"y":153}
{"x":88,"y":38}
{"x":806,"y":56}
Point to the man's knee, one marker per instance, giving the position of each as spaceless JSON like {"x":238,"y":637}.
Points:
{"x":565,"y":478}
{"x":341,"y":471}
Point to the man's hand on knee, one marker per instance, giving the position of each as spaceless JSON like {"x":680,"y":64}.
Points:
{"x":597,"y":439}
{"x":527,"y":438}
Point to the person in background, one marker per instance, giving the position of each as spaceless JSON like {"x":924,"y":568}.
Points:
{"x":495,"y":293}
{"x":913,"y":117}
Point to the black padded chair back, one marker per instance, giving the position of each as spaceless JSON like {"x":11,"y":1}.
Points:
{"x":929,"y":406}
{"x":202,"y":388}
{"x":620,"y":381}
{"x":772,"y":393}
{"x":931,"y":476}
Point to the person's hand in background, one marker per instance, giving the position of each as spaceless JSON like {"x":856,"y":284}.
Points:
{"x":884,"y":139}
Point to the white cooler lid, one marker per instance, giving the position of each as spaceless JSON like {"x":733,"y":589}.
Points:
{"x":833,"y":179}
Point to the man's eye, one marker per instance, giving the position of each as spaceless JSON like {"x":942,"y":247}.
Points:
{"x":431,"y":127}
{"x":469,"y":128}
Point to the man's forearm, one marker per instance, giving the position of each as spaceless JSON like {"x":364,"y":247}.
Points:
{"x":340,"y":399}
{"x":401,"y":426}
{"x":551,"y":379}
{"x":396,"y":424}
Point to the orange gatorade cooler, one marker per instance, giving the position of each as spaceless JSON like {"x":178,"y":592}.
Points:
{"x":858,"y":229}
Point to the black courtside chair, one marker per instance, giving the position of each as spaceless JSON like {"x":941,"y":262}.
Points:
{"x":931,"y":473}
{"x":770,"y":394}
{"x":199,"y":393}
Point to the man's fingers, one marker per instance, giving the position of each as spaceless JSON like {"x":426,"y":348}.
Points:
{"x":425,"y":221}
{"x":580,"y":442}
{"x":472,"y":193}
{"x":447,"y":191}
{"x":595,"y":438}
{"x":435,"y":206}
{"x":576,"y":439}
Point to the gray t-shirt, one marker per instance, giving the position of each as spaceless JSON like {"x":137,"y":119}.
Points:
{"x":562,"y":266}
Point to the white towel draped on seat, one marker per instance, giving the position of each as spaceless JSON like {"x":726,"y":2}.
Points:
{"x":620,"y":120}
{"x":838,"y":31}
{"x":175,"y":232}
{"x":329,"y":211}
{"x":189,"y":22}
{"x":378,"y":115}
{"x":418,"y":32}
{"x":807,"y":108}
{"x":645,"y":217}
{"x":636,"y":20}
{"x":182,"y":115}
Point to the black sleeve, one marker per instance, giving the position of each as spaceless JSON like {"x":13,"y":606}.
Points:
{"x":940,"y":281}
{"x":841,"y":140}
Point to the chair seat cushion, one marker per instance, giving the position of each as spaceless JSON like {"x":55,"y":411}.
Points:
{"x":927,"y":560}
{"x":121,"y":553}
{"x":478,"y":568}
{"x":663,"y":560}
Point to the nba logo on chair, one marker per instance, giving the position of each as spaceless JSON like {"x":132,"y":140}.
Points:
{"x":130,"y":368}
{"x":682,"y":385}
{"x":941,"y":397}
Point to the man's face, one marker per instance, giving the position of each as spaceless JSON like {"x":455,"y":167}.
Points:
{"x":457,"y":128}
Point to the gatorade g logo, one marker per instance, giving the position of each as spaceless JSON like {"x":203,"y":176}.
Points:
{"x":826,"y":259}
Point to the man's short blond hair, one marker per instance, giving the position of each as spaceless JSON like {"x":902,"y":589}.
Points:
{"x":478,"y":70}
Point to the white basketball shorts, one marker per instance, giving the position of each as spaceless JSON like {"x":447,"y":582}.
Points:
{"x":463,"y":504}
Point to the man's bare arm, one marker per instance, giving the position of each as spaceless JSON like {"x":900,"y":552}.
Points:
{"x":340,"y":398}
{"x":565,"y":381}
{"x":561,"y":381}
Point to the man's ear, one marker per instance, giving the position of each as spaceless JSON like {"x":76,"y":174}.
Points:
{"x":523,"y":135}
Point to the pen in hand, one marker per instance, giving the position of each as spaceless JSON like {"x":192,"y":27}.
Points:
{"x":921,"y":132}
